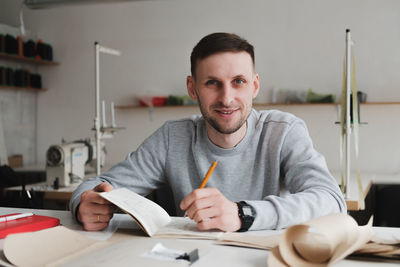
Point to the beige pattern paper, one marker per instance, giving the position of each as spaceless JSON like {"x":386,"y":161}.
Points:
{"x":320,"y":242}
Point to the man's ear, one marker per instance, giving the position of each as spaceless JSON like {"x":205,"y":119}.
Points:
{"x":256,"y":86}
{"x":190,"y":87}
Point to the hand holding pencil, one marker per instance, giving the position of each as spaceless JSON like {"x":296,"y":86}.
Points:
{"x":208,"y":174}
{"x":210,"y":208}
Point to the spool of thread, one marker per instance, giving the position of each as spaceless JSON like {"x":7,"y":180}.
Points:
{"x":20,"y":46}
{"x":29,"y":49}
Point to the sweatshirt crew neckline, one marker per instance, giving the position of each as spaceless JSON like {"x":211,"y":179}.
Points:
{"x":227,"y":151}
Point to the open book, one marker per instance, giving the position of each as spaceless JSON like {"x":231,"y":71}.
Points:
{"x":153,"y":219}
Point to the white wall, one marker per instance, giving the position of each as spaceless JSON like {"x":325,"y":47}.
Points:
{"x":18,"y":111}
{"x":299,"y":44}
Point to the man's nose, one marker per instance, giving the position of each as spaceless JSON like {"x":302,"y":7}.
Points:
{"x":226,"y":94}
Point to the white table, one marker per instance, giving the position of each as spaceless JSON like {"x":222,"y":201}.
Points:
{"x":210,"y":254}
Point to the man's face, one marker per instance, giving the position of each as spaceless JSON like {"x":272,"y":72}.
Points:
{"x":225,"y":85}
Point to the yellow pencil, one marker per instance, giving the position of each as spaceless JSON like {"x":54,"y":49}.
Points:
{"x":210,"y":171}
{"x":208,"y":174}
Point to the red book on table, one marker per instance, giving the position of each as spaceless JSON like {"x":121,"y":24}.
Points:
{"x":27,"y":224}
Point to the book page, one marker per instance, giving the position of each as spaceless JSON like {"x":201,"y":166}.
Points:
{"x":250,"y":240}
{"x":184,"y":227}
{"x":149,"y":215}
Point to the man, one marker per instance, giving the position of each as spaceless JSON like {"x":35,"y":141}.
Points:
{"x":257,"y":152}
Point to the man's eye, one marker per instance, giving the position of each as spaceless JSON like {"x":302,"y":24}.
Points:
{"x":240,"y":81}
{"x":211,"y":82}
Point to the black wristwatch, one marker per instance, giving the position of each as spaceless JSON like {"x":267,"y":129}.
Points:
{"x":246,"y":215}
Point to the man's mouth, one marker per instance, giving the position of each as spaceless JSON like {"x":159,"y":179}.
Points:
{"x":226,"y":112}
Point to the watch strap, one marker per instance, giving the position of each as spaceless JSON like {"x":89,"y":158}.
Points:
{"x":246,"y":215}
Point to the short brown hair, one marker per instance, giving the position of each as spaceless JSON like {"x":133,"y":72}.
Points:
{"x":219,"y":42}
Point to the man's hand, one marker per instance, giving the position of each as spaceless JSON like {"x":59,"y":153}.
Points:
{"x":211,"y":210}
{"x":95,"y":212}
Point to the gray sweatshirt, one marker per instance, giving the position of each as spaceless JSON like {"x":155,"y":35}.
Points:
{"x":276,"y":154}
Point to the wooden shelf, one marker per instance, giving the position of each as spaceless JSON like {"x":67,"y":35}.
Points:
{"x":293,"y":104}
{"x":381,"y":103}
{"x":127,"y":107}
{"x":13,"y":88}
{"x":26,"y":59}
{"x":322,"y":104}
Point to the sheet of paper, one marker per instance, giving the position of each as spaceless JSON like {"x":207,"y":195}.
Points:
{"x":320,"y":242}
{"x":148,"y":214}
{"x":386,"y":238}
{"x":51,"y":244}
{"x":119,"y":221}
{"x":60,"y":246}
{"x":105,"y":234}
{"x":129,"y":253}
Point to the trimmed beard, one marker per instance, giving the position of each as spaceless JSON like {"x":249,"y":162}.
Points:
{"x":217,"y":126}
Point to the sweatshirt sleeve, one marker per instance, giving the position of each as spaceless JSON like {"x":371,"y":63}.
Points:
{"x":142,"y":171}
{"x":312,"y":191}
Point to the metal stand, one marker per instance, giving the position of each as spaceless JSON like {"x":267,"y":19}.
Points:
{"x":104,"y":131}
{"x":348,"y":123}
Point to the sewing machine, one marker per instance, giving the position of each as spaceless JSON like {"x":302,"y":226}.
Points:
{"x":65,"y":162}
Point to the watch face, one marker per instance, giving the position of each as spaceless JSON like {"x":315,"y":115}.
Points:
{"x":247,"y":211}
